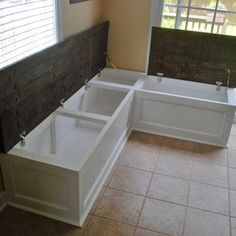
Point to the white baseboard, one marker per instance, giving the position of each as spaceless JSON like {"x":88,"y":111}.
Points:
{"x":3,"y":200}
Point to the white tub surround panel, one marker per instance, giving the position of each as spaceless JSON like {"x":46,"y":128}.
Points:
{"x":42,"y":188}
{"x":183,"y":109}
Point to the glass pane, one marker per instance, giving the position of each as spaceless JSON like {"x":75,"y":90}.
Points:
{"x":227,"y":5}
{"x":225,"y":24}
{"x":210,"y":4}
{"x":169,"y":17}
{"x":177,"y":2}
{"x":183,"y":2}
{"x":181,"y":17}
{"x":200,"y":20}
{"x":172,"y":2}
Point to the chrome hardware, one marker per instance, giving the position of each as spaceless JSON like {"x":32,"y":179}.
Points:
{"x":87,"y":85}
{"x":218,"y":85}
{"x":62,"y":102}
{"x":160,"y":75}
{"x":22,"y":138}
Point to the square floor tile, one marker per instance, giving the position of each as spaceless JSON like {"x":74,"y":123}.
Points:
{"x":210,"y":154}
{"x":169,"y":189}
{"x":210,"y":174}
{"x":177,"y":145}
{"x":166,"y":218}
{"x":133,"y":157}
{"x":175,"y":164}
{"x":145,"y":141}
{"x":144,"y":232}
{"x":209,"y":198}
{"x":104,"y":227}
{"x":232,"y":178}
{"x":232,"y":158}
{"x":131,"y":180}
{"x":233,"y":203}
{"x":120,"y":206}
{"x":233,"y":226}
{"x":202,"y":223}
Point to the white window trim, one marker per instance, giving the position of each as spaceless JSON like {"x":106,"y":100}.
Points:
{"x":59,"y":20}
{"x":158,"y":6}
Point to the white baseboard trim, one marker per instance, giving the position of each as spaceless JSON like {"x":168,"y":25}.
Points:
{"x":3,"y":200}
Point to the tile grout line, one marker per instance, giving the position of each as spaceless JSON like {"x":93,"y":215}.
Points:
{"x":180,"y":178}
{"x":148,"y":187}
{"x":108,"y":187}
{"x":229,"y":199}
{"x":92,"y":214}
{"x":86,"y":227}
{"x":161,"y":200}
{"x":146,"y":195}
{"x":128,"y":224}
{"x":189,"y":187}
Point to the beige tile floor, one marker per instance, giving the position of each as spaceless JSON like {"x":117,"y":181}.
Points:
{"x":159,"y":186}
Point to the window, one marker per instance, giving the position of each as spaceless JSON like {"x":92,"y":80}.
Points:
{"x":212,"y":16}
{"x":26,"y":27}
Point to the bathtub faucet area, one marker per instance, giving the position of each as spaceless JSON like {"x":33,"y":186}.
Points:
{"x":218,"y":85}
{"x":22,"y":138}
{"x":159,"y":76}
{"x":87,"y":85}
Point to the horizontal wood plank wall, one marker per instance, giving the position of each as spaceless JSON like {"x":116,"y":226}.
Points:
{"x":32,"y":89}
{"x":193,"y":56}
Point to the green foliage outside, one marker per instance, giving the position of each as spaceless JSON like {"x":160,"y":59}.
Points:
{"x":168,"y":22}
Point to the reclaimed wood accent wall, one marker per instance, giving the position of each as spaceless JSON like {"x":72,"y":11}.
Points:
{"x":31,"y":90}
{"x":194,"y":56}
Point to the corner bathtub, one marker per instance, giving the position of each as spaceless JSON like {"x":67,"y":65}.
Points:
{"x":67,"y":158}
{"x":186,"y":110}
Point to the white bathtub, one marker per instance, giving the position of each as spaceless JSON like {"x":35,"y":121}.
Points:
{"x":67,"y":158}
{"x":187,"y":110}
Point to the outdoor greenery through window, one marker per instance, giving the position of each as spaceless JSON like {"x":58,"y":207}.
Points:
{"x":26,"y":27}
{"x":212,"y":16}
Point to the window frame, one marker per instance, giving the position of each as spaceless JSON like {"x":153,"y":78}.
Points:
{"x":188,"y":7}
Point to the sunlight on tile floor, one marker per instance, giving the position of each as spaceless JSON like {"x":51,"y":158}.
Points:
{"x":159,"y":186}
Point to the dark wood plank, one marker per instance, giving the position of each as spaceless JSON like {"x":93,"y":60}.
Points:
{"x":31,"y":90}
{"x":193,"y":56}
